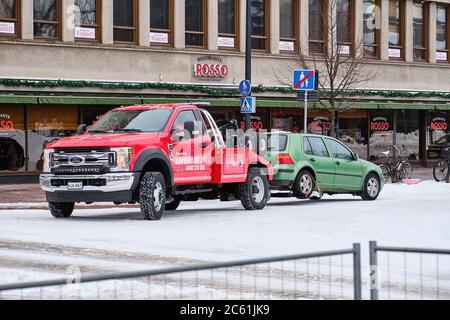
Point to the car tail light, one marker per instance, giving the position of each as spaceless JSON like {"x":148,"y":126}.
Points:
{"x":284,"y":159}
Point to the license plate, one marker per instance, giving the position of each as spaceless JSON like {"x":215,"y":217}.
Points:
{"x":75,"y":185}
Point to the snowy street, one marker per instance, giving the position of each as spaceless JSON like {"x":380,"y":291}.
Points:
{"x":34,"y":245}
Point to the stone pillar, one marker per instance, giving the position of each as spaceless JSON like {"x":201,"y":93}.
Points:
{"x":26,"y":19}
{"x":408,"y":32}
{"x":274,"y":27}
{"x":384,"y":32}
{"x":431,"y":32}
{"x":242,"y":22}
{"x":213,"y":24}
{"x":332,"y":32}
{"x":107,"y":22}
{"x":179,"y":24}
{"x":144,"y":23}
{"x":304,"y":27}
{"x":68,"y":21}
{"x":358,"y":35}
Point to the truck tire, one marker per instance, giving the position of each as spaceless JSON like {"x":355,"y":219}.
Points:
{"x":304,"y":185}
{"x":254,"y":192}
{"x":371,"y":187}
{"x":61,"y":209}
{"x":152,"y":195}
{"x":173,"y":204}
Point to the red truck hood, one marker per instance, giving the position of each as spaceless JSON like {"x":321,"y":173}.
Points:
{"x":104,"y":140}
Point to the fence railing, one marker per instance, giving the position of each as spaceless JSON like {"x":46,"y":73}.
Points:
{"x":403,"y":273}
{"x":319,"y":275}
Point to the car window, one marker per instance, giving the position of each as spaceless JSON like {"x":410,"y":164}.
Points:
{"x":318,"y":147}
{"x":338,"y":150}
{"x":307,"y":147}
{"x":182,"y":118}
{"x":277,"y":142}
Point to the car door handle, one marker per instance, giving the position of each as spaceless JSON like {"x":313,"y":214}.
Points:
{"x":203,"y":145}
{"x":338,"y":163}
{"x":312,"y":160}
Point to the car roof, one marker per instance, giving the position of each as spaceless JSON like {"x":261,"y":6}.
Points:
{"x":154,"y":106}
{"x":300,"y":134}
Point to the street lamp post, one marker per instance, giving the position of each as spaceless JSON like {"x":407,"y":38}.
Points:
{"x":248,"y":54}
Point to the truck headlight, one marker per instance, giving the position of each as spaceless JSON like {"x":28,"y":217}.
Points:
{"x":123,"y":159}
{"x":47,"y":160}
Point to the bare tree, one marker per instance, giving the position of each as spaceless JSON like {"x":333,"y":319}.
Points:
{"x":340,"y":60}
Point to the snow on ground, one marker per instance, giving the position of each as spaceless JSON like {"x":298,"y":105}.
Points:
{"x":106,"y":240}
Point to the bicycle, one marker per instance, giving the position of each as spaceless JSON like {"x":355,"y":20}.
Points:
{"x":441,"y":169}
{"x":401,"y":170}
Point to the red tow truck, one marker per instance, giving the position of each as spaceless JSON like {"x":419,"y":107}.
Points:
{"x":154,"y":155}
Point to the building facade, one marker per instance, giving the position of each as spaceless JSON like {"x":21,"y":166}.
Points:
{"x":66,"y":62}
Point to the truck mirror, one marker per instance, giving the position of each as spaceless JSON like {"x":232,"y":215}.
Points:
{"x":82,"y":128}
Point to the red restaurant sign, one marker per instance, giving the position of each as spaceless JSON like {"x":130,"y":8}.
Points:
{"x":210,"y":67}
{"x":6,"y":123}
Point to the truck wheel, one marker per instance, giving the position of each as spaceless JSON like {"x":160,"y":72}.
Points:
{"x":371,"y":188}
{"x":173,"y":204}
{"x":152,"y":196}
{"x":254,"y":192}
{"x":61,"y":209}
{"x":304,"y":185}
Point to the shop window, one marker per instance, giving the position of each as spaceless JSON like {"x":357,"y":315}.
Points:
{"x":161,"y":22}
{"x":381,"y":134}
{"x":407,"y":135}
{"x":317,"y":25}
{"x":396,"y":29}
{"x":438,"y":133}
{"x":196,"y":23}
{"x":87,"y":21}
{"x":91,"y":114}
{"x":353,"y":131}
{"x":260,"y":24}
{"x":319,"y":122}
{"x":47,"y":19}
{"x":442,"y":33}
{"x":371,"y":17}
{"x":419,"y":30}
{"x":287,"y":120}
{"x":12,"y":139}
{"x":9,"y":18}
{"x":45,"y":124}
{"x":344,"y":24}
{"x":228,"y":24}
{"x":289,"y":25}
{"x":125,"y":21}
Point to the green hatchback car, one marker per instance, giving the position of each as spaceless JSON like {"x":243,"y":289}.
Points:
{"x":310,"y":165}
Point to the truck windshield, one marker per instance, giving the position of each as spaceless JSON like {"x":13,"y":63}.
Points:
{"x":153,"y":120}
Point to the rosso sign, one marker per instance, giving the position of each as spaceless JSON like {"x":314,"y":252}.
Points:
{"x":210,"y":70}
{"x":379,"y":126}
{"x":438,"y":126}
{"x":6,"y":125}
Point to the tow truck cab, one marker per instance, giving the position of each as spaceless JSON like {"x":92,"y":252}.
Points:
{"x":157,"y":155}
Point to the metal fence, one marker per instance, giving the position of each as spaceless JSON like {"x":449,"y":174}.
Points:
{"x":319,"y":275}
{"x":409,"y":273}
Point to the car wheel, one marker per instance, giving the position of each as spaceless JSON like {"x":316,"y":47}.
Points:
{"x":61,"y":209}
{"x":173,"y":204}
{"x":254,"y":192}
{"x":371,"y":188}
{"x":304,"y":185}
{"x":152,"y":196}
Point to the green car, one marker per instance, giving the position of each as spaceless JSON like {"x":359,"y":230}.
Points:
{"x":310,"y":165}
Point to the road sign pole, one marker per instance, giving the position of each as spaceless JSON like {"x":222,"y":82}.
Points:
{"x":306,"y":113}
{"x":248,"y":54}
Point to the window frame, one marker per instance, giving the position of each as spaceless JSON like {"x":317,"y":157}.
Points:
{"x":351,"y":44}
{"x":426,"y":31}
{"x":97,"y":26}
{"x":376,"y":44}
{"x":170,"y":31}
{"x":236,"y":35}
{"x":296,"y":39}
{"x":134,"y":28}
{"x":447,"y":15}
{"x":203,"y":33}
{"x":324,"y":145}
{"x":330,"y":151}
{"x":57,"y":23}
{"x":402,"y":31}
{"x":324,"y":40}
{"x":266,"y":36}
{"x":17,"y":22}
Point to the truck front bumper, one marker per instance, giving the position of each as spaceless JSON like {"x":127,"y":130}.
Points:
{"x":111,"y":187}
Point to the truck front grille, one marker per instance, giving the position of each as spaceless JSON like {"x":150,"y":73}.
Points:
{"x":80,"y":170}
{"x":82,"y":161}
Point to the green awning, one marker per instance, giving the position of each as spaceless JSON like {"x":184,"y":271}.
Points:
{"x":406,"y":106}
{"x":89,"y":100}
{"x":18,"y":99}
{"x":443,"y":107}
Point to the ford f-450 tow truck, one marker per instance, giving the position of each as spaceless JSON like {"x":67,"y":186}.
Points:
{"x":154,"y":155}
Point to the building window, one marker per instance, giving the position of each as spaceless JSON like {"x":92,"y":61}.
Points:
{"x":442,"y":32}
{"x":228,"y":24}
{"x":381,"y":134}
{"x":288,"y":25}
{"x":344,"y":24}
{"x":260,"y":24}
{"x":9,"y":18}
{"x":125,"y":21}
{"x":47,"y":18}
{"x":317,"y":25}
{"x":419,"y":30}
{"x":87,"y":26}
{"x":371,"y":28}
{"x":12,"y":139}
{"x":438,"y":133}
{"x":161,"y":22}
{"x":353,"y":130}
{"x":196,"y":23}
{"x":396,"y":34}
{"x":407,"y":133}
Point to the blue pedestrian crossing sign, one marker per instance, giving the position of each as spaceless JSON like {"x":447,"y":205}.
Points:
{"x":248,"y":105}
{"x":304,"y":80}
{"x":245,"y":88}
